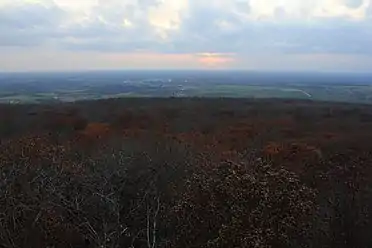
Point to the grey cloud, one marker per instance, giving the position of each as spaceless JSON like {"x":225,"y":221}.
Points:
{"x":36,"y":24}
{"x":199,"y":27}
{"x":369,"y":10}
{"x":280,"y":12}
{"x":202,"y":30}
{"x":29,"y":25}
{"x":145,"y":3}
{"x":30,"y":16}
{"x":353,"y":3}
{"x":243,"y":6}
{"x":335,"y":35}
{"x":203,"y":34}
{"x":332,"y":37}
{"x":106,"y":33}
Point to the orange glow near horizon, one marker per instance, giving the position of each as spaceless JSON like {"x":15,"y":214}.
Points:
{"x":54,"y":60}
{"x":214,"y":59}
{"x":149,"y":59}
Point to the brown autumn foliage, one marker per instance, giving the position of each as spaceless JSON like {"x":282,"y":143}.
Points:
{"x":186,"y":173}
{"x":96,"y":130}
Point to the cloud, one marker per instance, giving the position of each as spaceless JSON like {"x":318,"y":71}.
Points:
{"x":29,"y":24}
{"x":230,"y":29}
{"x":353,"y":3}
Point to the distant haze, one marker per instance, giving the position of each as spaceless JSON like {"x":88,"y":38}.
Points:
{"x":266,"y":35}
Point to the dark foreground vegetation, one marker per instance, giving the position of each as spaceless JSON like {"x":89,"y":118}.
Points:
{"x":186,"y":173}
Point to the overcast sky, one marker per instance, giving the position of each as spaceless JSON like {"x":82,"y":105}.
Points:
{"x":291,"y":35}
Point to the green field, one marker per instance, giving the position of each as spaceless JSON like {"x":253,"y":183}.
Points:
{"x":337,"y":93}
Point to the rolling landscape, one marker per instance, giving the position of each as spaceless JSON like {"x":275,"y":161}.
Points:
{"x":185,"y":124}
{"x":185,"y":159}
{"x":70,"y":87}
